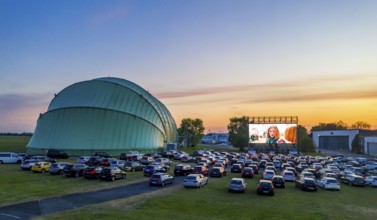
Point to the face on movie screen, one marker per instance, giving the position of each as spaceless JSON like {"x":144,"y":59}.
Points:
{"x":272,"y":133}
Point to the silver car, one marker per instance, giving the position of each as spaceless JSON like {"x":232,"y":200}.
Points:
{"x":27,"y":164}
{"x":57,"y":168}
{"x":195,"y":180}
{"x":237,"y":184}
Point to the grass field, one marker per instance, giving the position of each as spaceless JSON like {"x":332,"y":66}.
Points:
{"x":210,"y":202}
{"x":13,"y":143}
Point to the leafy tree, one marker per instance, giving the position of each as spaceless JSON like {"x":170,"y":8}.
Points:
{"x":305,"y":142}
{"x":239,"y":132}
{"x":340,"y":125}
{"x":360,"y":125}
{"x":356,"y":148}
{"x":191,"y":131}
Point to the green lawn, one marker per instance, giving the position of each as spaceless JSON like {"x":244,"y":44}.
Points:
{"x":210,"y":202}
{"x":214,"y":202}
{"x":13,"y":143}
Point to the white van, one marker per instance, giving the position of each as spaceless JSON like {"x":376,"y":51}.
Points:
{"x":10,"y":157}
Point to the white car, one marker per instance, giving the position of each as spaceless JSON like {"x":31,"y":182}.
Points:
{"x":371,"y":181}
{"x":83,"y":159}
{"x":268,"y":174}
{"x":307,"y":175}
{"x":195,"y":180}
{"x":328,"y":183}
{"x":288,"y":176}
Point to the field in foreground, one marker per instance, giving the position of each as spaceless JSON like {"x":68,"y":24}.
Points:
{"x":210,"y":202}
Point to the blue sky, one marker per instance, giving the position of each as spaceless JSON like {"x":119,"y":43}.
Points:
{"x":207,"y":59}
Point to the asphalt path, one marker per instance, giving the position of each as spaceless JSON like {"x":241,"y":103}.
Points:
{"x":28,"y":210}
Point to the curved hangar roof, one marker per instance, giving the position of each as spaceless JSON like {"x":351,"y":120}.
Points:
{"x":108,"y":114}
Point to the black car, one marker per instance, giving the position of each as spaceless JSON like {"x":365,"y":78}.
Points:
{"x":265,"y":187}
{"x":75,"y":170}
{"x":101,"y":154}
{"x":94,"y":161}
{"x":112,"y":173}
{"x":248,"y":172}
{"x":278,"y":181}
{"x":92,"y":172}
{"x":306,"y":184}
{"x":133,"y":166}
{"x":236,"y":168}
{"x":217,"y":172}
{"x":53,"y":153}
{"x":183,"y":170}
{"x":151,"y":169}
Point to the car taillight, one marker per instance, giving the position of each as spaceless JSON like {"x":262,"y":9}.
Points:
{"x":93,"y":172}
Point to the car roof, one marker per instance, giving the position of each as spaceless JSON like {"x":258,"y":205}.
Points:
{"x":237,"y":179}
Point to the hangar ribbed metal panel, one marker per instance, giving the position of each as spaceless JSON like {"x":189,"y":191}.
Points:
{"x":109,"y":114}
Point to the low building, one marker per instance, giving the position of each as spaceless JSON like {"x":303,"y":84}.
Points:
{"x":342,"y":140}
{"x":215,"y":138}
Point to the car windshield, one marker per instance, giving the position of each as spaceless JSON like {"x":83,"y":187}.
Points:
{"x":179,"y":167}
{"x":236,"y":182}
{"x":156,"y":176}
{"x":332,"y":181}
{"x":191,"y":177}
{"x":264,"y":184}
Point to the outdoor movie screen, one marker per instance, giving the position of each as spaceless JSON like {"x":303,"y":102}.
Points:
{"x":272,"y":133}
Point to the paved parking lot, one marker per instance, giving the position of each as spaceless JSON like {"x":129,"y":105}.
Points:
{"x":28,"y":210}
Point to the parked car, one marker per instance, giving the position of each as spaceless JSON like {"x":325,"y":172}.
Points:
{"x":74,"y":170}
{"x":44,"y":158}
{"x":217,"y":172}
{"x":268,"y":174}
{"x":278,"y":181}
{"x":328,"y":183}
{"x":41,"y":167}
{"x":101,"y":154}
{"x":57,"y":168}
{"x":105,"y":162}
{"x":94,"y":161}
{"x":54,"y":153}
{"x":133,"y":166}
{"x":117,"y":163}
{"x":146,"y":160}
{"x":236,"y":168}
{"x":201,"y":170}
{"x":27,"y":164}
{"x":255,"y":168}
{"x":371,"y":181}
{"x":10,"y":157}
{"x":112,"y":173}
{"x":163,"y":161}
{"x":307,"y":175}
{"x":183,"y":170}
{"x":195,"y":180}
{"x":151,"y":169}
{"x":238,"y":185}
{"x":265,"y":187}
{"x":288,"y":176}
{"x":160,"y":179}
{"x":92,"y":172}
{"x":306,"y":184}
{"x":353,"y":180}
{"x":83,"y":159}
{"x":247,"y":172}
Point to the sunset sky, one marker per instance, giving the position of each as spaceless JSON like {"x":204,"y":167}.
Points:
{"x":209,"y":59}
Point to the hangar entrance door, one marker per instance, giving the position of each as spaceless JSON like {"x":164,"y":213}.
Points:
{"x":333,"y":142}
{"x":372,"y":149}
